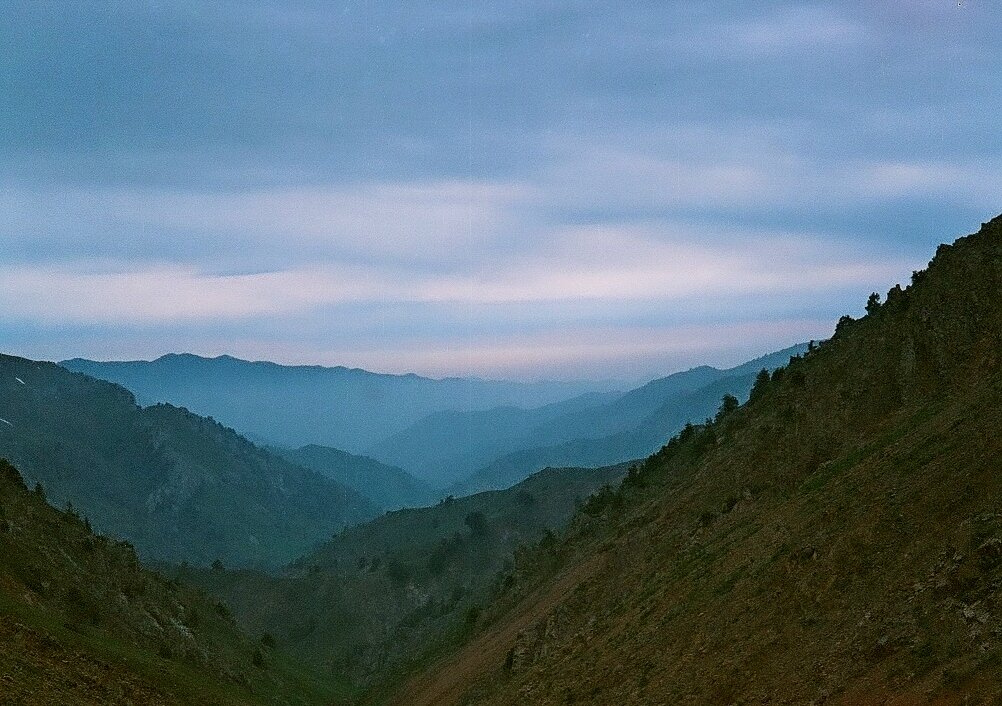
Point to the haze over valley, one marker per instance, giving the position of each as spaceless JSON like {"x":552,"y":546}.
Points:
{"x":500,"y":353}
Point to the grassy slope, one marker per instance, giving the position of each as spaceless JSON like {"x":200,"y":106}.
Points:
{"x":838,"y":539}
{"x":386,"y":594}
{"x":81,"y":622}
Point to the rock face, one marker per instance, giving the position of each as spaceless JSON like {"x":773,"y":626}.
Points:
{"x":835,"y":540}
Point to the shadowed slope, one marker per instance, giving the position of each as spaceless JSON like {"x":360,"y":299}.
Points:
{"x":178,"y":486}
{"x":386,"y":594}
{"x":387,"y":487}
{"x":836,"y":539}
{"x":82,"y":622}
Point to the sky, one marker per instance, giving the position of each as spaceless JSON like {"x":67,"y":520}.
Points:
{"x":527,"y":190}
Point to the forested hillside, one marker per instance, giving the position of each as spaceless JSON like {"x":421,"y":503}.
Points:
{"x":82,"y":622}
{"x":836,"y":539}
{"x":395,"y":591}
{"x":176,"y":485}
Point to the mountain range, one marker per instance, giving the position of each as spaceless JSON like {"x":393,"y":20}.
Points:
{"x":466,"y":444}
{"x":627,"y":427}
{"x":176,"y":485}
{"x":825,"y":530}
{"x":388,"y":487}
{"x":837,"y":539}
{"x":292,"y":406}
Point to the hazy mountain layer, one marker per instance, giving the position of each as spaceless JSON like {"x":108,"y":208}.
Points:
{"x":644,"y":419}
{"x":838,"y":539}
{"x":178,"y":486}
{"x":392,"y":591}
{"x":293,"y":406}
{"x":446,"y":446}
{"x":386,"y":487}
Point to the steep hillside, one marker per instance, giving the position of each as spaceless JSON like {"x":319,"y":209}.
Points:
{"x":386,"y":487}
{"x":491,"y":449}
{"x":645,"y":419}
{"x":81,"y":622}
{"x":445,"y":446}
{"x":292,"y":406}
{"x":178,"y":486}
{"x":392,"y":591}
{"x":836,"y":540}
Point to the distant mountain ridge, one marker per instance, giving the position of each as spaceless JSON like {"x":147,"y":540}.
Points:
{"x":177,"y":485}
{"x":292,"y":406}
{"x":445,"y":447}
{"x":497,"y":448}
{"x":387,"y":487}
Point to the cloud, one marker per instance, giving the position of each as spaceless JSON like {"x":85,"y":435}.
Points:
{"x":374,"y":176}
{"x":972,"y":182}
{"x":727,"y":169}
{"x":414,"y":221}
{"x":798,"y":27}
{"x":600,"y":264}
{"x":81,"y":295}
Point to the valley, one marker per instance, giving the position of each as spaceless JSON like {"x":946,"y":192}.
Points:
{"x":833,"y":515}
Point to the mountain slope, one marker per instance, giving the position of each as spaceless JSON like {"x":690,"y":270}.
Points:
{"x":387,"y":487}
{"x":444,"y":446}
{"x":835,"y":540}
{"x":496,"y":448}
{"x":178,"y":486}
{"x":387,"y":593}
{"x":292,"y":406}
{"x":645,"y":417}
{"x":81,"y":622}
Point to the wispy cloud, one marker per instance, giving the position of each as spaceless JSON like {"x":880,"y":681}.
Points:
{"x":575,"y":265}
{"x":389,"y":181}
{"x":783,"y":30}
{"x":415,"y":221}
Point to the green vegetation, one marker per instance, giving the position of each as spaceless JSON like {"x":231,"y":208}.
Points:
{"x":82,"y":622}
{"x":837,"y":539}
{"x":176,"y":485}
{"x":385,"y":596}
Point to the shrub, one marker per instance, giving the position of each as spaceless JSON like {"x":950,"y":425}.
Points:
{"x":728,"y":404}
{"x":477,"y":524}
{"x":761,"y":382}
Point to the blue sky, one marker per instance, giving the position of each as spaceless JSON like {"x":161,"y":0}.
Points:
{"x":516,"y":189}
